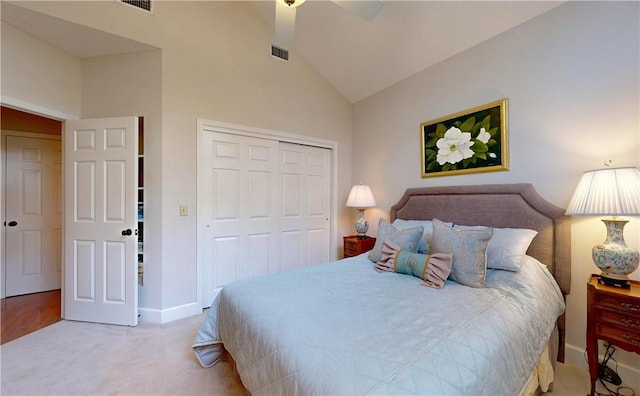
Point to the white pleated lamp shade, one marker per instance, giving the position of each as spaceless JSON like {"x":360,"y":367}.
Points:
{"x":608,"y":192}
{"x":360,"y":197}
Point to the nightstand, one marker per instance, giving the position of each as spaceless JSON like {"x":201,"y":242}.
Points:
{"x":355,"y":245}
{"x":613,"y":315}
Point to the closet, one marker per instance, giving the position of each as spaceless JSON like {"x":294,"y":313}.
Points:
{"x":263,"y":206}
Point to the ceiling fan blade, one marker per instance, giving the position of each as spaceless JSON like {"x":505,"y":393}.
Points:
{"x":285,"y":23}
{"x":365,"y":9}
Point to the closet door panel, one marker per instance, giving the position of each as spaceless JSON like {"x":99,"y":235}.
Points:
{"x":241,"y":217}
{"x":305,"y":173}
{"x":263,"y":207}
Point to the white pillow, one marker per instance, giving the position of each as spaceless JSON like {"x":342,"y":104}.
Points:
{"x":427,"y":234}
{"x":507,"y":247}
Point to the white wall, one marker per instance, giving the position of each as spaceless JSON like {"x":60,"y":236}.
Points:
{"x":35,"y":72}
{"x":572,"y":81}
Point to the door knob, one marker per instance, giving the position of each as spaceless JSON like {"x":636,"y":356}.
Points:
{"x":12,"y":223}
{"x":127,"y":232}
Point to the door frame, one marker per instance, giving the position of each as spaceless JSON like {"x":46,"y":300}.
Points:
{"x":3,"y":179}
{"x":205,"y":125}
{"x":32,"y":108}
{"x":58,"y":116}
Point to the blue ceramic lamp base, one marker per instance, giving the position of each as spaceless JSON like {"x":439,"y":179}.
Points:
{"x":362,"y":225}
{"x":615,"y":259}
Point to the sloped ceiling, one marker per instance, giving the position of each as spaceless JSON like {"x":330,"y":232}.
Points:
{"x":358,"y":58}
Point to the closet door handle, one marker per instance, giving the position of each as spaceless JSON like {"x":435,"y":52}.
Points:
{"x":12,"y":223}
{"x":127,"y":232}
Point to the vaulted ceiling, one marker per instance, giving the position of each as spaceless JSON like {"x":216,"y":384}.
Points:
{"x":357,"y":57}
{"x":360,"y":58}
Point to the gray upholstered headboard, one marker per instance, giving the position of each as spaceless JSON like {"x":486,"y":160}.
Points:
{"x":500,"y":205}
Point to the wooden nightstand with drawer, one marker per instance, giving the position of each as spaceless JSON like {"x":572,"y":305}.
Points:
{"x":355,"y":245}
{"x":613,"y":315}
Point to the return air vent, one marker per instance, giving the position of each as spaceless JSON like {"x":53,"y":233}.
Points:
{"x":141,"y":4}
{"x":280,"y":53}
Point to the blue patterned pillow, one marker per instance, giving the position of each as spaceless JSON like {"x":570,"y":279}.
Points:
{"x":469,"y":248}
{"x":408,"y":239}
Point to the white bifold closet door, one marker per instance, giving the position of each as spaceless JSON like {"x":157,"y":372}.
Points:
{"x":305,"y":200}
{"x":266,"y":208}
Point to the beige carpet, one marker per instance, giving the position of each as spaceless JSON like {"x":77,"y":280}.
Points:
{"x":76,"y":358}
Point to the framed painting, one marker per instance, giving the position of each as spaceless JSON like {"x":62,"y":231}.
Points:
{"x":470,"y":141}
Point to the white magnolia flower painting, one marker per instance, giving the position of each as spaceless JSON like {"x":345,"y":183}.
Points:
{"x":471,"y":141}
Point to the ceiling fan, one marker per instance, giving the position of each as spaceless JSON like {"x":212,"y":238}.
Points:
{"x":286,"y":15}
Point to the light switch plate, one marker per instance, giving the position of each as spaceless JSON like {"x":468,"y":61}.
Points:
{"x":184,"y":211}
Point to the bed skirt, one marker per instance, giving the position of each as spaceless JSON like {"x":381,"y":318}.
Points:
{"x":540,"y":380}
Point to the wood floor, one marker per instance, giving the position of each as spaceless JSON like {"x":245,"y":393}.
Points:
{"x":22,"y":315}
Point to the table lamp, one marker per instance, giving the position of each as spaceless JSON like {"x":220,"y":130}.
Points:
{"x":361,"y":197}
{"x":610,"y":192}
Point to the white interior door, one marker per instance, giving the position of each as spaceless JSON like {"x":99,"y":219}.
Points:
{"x":305,"y":173}
{"x":33,"y":215}
{"x":100,"y":241}
{"x":240,"y":214}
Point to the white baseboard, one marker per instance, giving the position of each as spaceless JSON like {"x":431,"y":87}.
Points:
{"x":630,"y":375}
{"x":167,"y":315}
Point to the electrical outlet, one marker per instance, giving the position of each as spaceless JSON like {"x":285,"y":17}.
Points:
{"x":184,"y":210}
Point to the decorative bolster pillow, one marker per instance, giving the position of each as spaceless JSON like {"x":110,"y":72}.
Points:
{"x":433,"y":269}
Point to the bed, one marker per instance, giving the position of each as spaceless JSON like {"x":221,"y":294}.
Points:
{"x":345,"y":328}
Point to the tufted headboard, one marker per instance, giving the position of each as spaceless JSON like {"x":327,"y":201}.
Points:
{"x":500,"y":205}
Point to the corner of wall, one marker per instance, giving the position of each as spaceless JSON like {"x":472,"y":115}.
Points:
{"x":167,"y":315}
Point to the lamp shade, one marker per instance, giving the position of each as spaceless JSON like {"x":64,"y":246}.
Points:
{"x":608,"y":191}
{"x":360,"y":197}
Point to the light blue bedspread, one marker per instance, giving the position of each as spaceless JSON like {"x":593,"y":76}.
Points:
{"x":343,"y":328}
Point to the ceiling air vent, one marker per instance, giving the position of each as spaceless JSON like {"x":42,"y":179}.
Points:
{"x":279,"y":52}
{"x":141,"y":4}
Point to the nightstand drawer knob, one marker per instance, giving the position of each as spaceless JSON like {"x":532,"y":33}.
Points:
{"x":630,"y":307}
{"x":631,"y":323}
{"x":631,"y":339}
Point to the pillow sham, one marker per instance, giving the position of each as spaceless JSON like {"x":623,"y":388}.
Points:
{"x":507,"y":246}
{"x":432,"y":269}
{"x":408,"y":239}
{"x":469,"y":248}
{"x":427,"y":233}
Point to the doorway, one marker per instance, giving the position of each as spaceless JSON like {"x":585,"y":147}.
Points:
{"x":38,"y":294}
{"x":33,"y":211}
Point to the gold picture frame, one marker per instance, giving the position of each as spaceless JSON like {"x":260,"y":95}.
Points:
{"x":469,"y":141}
